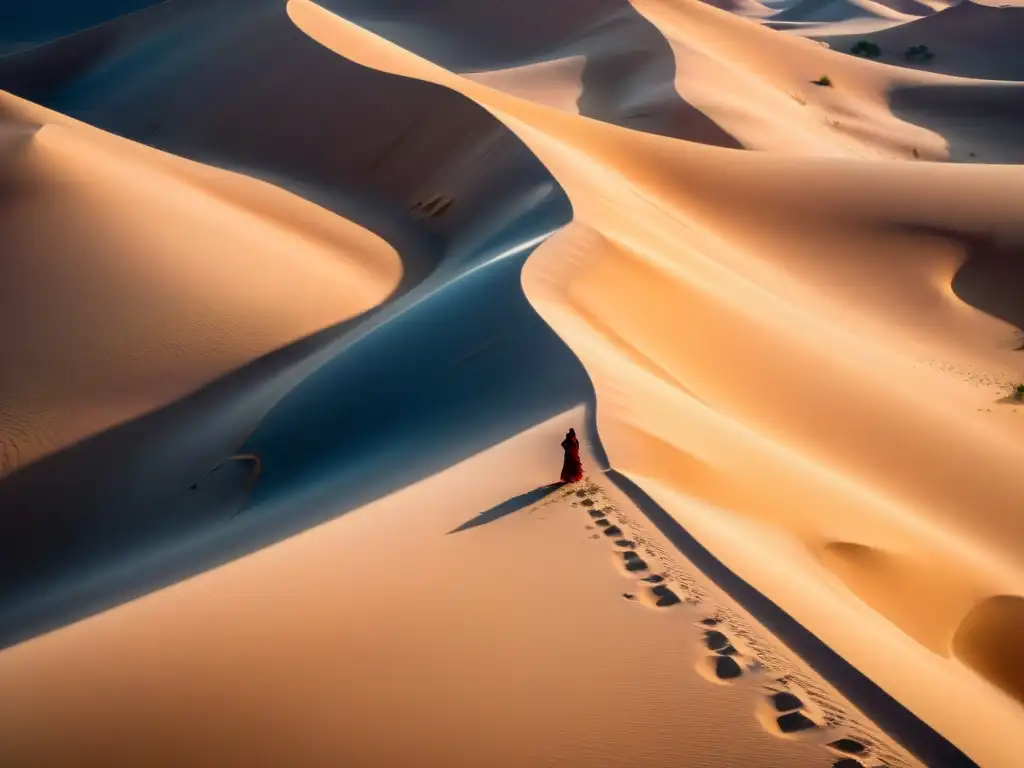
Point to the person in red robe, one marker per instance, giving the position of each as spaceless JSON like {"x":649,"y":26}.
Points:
{"x":572,"y":467}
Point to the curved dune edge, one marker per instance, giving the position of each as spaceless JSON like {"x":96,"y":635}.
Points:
{"x":770,"y":443}
{"x":217,"y":245}
{"x":988,"y":640}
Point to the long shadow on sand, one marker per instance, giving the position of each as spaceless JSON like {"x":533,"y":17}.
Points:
{"x":992,"y":275}
{"x":516,"y":503}
{"x":26,"y":24}
{"x":895,"y":719}
{"x":235,"y":84}
{"x":629,"y":69}
{"x":457,"y":365}
{"x":454,"y":362}
{"x":982,"y":122}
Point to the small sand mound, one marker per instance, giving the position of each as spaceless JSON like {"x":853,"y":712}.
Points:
{"x":990,"y":640}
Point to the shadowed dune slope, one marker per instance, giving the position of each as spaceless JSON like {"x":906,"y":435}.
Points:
{"x":968,"y":39}
{"x":982,"y":122}
{"x":989,"y":641}
{"x":626,"y":67}
{"x":26,"y":24}
{"x":435,"y":176}
{"x":748,"y":8}
{"x":823,"y":11}
{"x":233,"y":83}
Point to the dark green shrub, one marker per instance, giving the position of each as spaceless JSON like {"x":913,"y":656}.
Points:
{"x":919,"y":54}
{"x":867,"y":49}
{"x":1019,"y":392}
{"x":824,"y":80}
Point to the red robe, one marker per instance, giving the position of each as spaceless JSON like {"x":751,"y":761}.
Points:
{"x":572,"y":467}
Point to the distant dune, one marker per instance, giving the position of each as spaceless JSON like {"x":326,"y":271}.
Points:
{"x":968,"y":39}
{"x":844,"y":10}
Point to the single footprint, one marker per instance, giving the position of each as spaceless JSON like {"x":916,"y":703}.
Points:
{"x":613,"y":530}
{"x":625,"y":544}
{"x":629,"y":596}
{"x":795,"y":722}
{"x":785,"y":714}
{"x":587,"y":503}
{"x":726,"y":667}
{"x":602,"y":523}
{"x":848,"y":746}
{"x":654,"y":578}
{"x":717,"y":641}
{"x":596,"y":513}
{"x":784,"y":701}
{"x":709,"y":622}
{"x":663,"y":596}
{"x":633,"y":561}
{"x":847,"y":762}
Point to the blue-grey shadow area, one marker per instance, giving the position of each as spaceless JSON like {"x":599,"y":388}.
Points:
{"x":454,"y":362}
{"x":459,"y":363}
{"x":235,"y":84}
{"x":516,"y":503}
{"x":629,"y":69}
{"x":895,"y":719}
{"x":982,"y":122}
{"x":33,"y":23}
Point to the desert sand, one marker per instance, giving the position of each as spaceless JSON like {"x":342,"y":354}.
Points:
{"x":288,"y":493}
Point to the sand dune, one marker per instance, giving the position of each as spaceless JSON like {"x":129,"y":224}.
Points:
{"x":162,"y":332}
{"x":822,"y":11}
{"x":916,"y":210}
{"x":315,"y":675}
{"x":476,"y":192}
{"x":968,"y":39}
{"x":797,"y":360}
{"x":748,"y":8}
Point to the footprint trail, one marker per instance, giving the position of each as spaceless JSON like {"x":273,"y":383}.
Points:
{"x":792,"y":704}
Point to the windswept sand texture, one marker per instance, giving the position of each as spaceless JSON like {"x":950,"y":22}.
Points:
{"x":317,"y":343}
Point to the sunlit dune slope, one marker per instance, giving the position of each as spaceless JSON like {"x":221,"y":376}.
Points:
{"x":813,"y":345}
{"x":94,"y":334}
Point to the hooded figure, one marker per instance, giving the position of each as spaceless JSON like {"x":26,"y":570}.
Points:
{"x":572,"y":467}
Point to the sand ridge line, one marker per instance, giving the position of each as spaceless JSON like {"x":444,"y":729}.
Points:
{"x":793,"y":704}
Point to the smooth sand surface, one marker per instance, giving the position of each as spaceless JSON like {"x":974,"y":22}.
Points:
{"x":498,"y":637}
{"x":802,"y":354}
{"x":236,"y":268}
{"x":721,"y":344}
